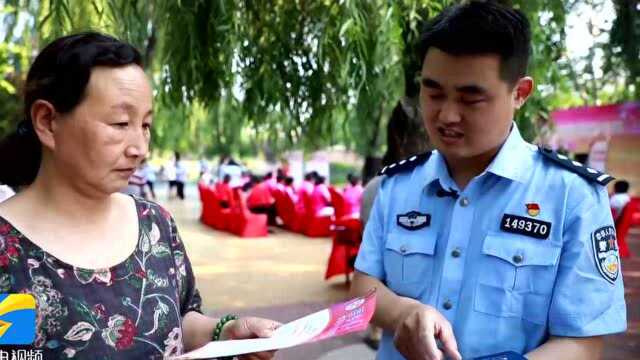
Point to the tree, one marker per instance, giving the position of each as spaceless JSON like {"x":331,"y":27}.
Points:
{"x":238,"y":76}
{"x":622,"y":52}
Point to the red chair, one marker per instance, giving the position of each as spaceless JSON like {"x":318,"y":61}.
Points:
{"x":215,"y":216}
{"x":629,"y":217}
{"x":347,"y":236}
{"x":314,"y":225}
{"x":243,"y":222}
{"x":286,"y":208}
{"x":346,"y":243}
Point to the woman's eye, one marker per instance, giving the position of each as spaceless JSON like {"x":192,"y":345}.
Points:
{"x":122,"y":124}
{"x":146,"y":126}
{"x":436,"y":97}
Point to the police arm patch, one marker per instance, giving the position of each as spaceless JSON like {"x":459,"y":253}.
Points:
{"x":605,"y":252}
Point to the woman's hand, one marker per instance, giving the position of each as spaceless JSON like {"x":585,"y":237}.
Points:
{"x":250,"y":328}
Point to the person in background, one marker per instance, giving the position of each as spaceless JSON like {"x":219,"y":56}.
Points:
{"x":137,"y":183}
{"x":261,"y":200}
{"x":488,"y":244}
{"x":305,"y":190}
{"x":224,"y":192}
{"x":321,"y":198}
{"x":149,"y":173}
{"x":352,"y":194}
{"x":349,"y":183}
{"x":5,"y":192}
{"x":181,"y":175}
{"x":109,"y":272}
{"x":271,"y":181}
{"x":280,"y":185}
{"x":204,"y":167}
{"x":307,"y":185}
{"x":620,"y":197}
{"x":245,"y":177}
{"x":289,"y":189}
{"x":170,"y":175}
{"x":229,"y":166}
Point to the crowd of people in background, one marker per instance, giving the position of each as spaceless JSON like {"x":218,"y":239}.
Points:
{"x":258,"y":189}
{"x":260,"y":197}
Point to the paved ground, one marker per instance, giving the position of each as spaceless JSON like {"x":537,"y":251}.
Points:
{"x":281,"y":277}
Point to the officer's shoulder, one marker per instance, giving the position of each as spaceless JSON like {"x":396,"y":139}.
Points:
{"x":405,"y":165}
{"x":565,"y":163}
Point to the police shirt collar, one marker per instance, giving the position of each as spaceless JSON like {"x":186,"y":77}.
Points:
{"x":436,"y":172}
{"x":513,"y":160}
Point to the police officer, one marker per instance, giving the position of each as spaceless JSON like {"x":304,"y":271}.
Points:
{"x":488,"y":243}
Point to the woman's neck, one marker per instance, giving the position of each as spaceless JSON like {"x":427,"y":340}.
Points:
{"x":68,"y":200}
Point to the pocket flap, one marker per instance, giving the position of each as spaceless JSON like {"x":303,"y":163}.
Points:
{"x":423,"y":242}
{"x":521,"y":251}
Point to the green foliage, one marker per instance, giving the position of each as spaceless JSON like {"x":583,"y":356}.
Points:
{"x":622,"y":51}
{"x":339,"y":172}
{"x":242,"y":76}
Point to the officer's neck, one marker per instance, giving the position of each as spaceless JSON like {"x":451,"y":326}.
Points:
{"x":463,"y":169}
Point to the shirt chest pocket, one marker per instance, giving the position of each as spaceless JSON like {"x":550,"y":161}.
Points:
{"x":517,"y":277}
{"x":409,"y":261}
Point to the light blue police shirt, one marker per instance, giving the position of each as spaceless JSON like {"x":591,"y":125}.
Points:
{"x":525,"y":252}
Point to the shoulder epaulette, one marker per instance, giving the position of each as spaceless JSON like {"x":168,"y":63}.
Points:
{"x":406,"y":164}
{"x":576,"y":167}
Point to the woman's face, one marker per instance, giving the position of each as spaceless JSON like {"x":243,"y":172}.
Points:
{"x":101,"y":142}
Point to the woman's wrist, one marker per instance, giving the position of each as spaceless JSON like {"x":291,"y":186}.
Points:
{"x":222,"y":329}
{"x":226,"y":333}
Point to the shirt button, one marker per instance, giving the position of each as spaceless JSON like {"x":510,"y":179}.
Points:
{"x":517,"y":259}
{"x":403,"y":249}
{"x":447,"y":305}
{"x":456,"y":253}
{"x":464,"y":202}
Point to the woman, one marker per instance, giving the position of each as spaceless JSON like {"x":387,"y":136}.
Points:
{"x":108,"y":271}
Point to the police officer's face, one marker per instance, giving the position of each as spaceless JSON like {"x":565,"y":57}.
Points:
{"x":466,"y":107}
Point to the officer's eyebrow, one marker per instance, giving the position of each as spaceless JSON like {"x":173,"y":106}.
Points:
{"x":432,"y":84}
{"x":470,"y":89}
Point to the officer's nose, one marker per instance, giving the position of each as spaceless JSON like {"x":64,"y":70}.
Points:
{"x":449,"y":113}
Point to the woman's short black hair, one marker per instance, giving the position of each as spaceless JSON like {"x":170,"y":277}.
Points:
{"x":59,"y":75}
{"x":481,"y":27}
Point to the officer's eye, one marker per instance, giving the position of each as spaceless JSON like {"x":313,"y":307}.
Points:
{"x":473,"y":101}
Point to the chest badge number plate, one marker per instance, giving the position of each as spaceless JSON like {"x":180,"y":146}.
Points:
{"x":525,"y":226}
{"x":413,"y":220}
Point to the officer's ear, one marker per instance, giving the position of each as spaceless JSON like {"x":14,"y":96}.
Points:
{"x":522,"y":91}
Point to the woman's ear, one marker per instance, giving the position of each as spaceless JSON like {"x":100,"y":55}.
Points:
{"x":43,"y":116}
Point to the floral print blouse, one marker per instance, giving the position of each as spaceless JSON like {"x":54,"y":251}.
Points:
{"x":132,"y":310}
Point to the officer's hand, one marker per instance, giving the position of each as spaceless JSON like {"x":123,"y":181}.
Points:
{"x":416,"y":335}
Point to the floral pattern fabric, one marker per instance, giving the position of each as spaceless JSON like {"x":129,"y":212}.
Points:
{"x":132,"y":310}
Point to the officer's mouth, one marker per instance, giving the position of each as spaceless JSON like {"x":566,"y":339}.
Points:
{"x":450,"y":135}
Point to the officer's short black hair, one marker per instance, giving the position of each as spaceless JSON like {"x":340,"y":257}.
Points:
{"x":481,"y":27}
{"x":621,"y":187}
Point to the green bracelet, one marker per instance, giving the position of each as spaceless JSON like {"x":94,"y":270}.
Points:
{"x":221,"y":323}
